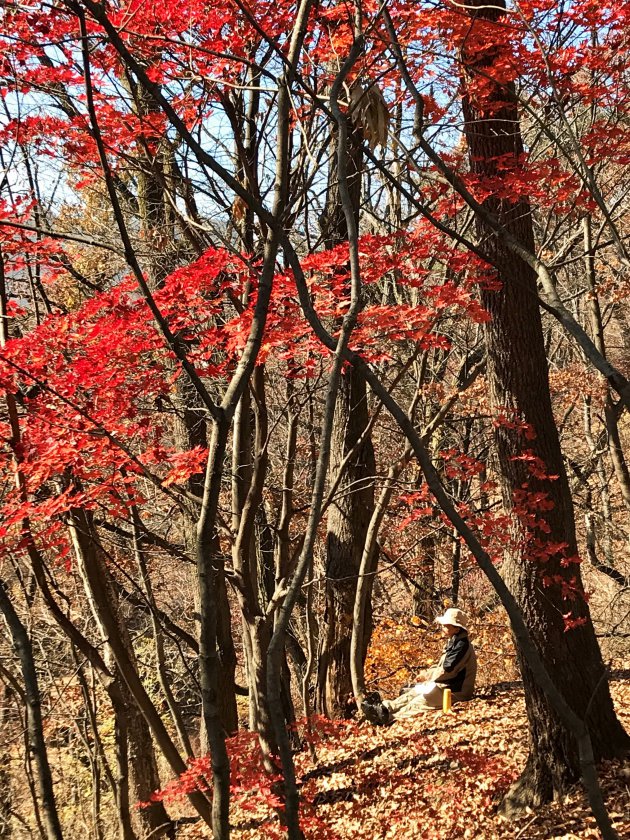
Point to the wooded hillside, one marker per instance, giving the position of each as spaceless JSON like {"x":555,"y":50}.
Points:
{"x":314,"y":322}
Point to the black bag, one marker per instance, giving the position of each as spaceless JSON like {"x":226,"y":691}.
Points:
{"x":375,"y":710}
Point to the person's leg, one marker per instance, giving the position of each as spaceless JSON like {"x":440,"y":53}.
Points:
{"x":399,"y":703}
{"x":415,"y":705}
{"x":425,"y":696}
{"x":410,"y":702}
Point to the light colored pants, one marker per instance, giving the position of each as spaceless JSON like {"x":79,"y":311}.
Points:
{"x":422,"y":696}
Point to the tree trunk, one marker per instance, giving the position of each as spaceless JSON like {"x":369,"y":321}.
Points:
{"x":615,"y":447}
{"x":348,"y":522}
{"x":6,"y":794}
{"x":518,"y":376}
{"x":253,"y":552}
{"x":190,"y":426}
{"x":209,"y":579}
{"x":350,"y":513}
{"x":158,"y":638}
{"x":423,"y":602}
{"x":143,"y":774}
{"x":190,"y":431}
{"x":601,"y":473}
{"x":35,"y":742}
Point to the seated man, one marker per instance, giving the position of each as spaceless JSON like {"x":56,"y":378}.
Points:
{"x":457,"y":670}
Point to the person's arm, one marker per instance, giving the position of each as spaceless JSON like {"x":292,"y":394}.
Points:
{"x":452,"y":661}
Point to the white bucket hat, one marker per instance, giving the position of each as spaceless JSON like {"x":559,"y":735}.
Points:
{"x":453,"y":616}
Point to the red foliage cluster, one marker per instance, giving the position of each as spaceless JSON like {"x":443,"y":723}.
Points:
{"x":254,"y":790}
{"x":93,"y":383}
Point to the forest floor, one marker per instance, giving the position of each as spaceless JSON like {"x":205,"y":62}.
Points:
{"x":438,"y":775}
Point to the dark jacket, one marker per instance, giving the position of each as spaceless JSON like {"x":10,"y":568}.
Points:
{"x":457,"y":668}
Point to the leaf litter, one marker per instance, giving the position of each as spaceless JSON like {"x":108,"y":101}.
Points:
{"x":436,"y":776}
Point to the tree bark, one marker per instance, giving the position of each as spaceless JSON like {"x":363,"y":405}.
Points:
{"x":615,"y":447}
{"x":143,"y":774}
{"x":249,"y":469}
{"x":36,"y":744}
{"x":158,"y":638}
{"x":367,"y":571}
{"x":518,"y":377}
{"x":190,"y":424}
{"x":350,"y":514}
{"x":6,"y":793}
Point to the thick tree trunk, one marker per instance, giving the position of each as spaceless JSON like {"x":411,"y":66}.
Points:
{"x":518,"y":376}
{"x":350,"y":514}
{"x":143,"y":774}
{"x":120,"y":774}
{"x":257,"y":631}
{"x":348,"y":522}
{"x":210,"y":578}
